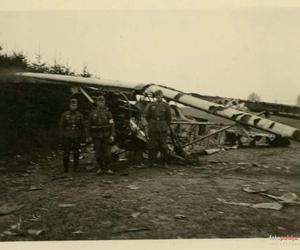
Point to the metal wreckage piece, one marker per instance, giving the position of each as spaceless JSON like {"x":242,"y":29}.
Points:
{"x":127,"y":111}
{"x":276,"y":109}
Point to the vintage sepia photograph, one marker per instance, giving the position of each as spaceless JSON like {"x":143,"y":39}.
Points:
{"x":149,"y":123}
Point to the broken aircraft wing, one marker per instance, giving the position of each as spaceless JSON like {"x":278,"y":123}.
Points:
{"x":277,"y":109}
{"x":175,"y":95}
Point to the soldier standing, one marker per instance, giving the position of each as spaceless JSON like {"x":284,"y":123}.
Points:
{"x":102,"y":129}
{"x":71,"y":134}
{"x":158,"y":115}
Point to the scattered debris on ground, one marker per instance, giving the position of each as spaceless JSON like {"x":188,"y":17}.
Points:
{"x":230,"y":194}
{"x":9,"y":208}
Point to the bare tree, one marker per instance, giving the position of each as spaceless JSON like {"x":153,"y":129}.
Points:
{"x":60,"y":69}
{"x":85,"y":72}
{"x":254,"y":97}
{"x":38,"y":65}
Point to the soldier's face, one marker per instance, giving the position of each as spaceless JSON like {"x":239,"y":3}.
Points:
{"x":159,"y":97}
{"x":100,"y":102}
{"x":73,"y":106}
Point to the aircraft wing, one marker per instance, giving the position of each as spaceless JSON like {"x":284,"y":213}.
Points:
{"x":79,"y":81}
{"x":235,"y":115}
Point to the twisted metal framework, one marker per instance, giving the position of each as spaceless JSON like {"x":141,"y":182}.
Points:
{"x":130,"y":89}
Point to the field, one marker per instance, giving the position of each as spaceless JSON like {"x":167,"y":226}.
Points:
{"x":204,"y":200}
{"x":184,"y":201}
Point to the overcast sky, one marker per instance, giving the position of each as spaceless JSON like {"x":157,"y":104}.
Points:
{"x":225,"y":52}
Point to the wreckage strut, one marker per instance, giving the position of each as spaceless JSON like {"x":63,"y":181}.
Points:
{"x":235,"y":115}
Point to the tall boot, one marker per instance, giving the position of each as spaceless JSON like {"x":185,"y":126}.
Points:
{"x":107,"y":168}
{"x":66,"y":157}
{"x":152,"y":157}
{"x":76,"y":160}
{"x":100,"y":167}
{"x":164,"y":157}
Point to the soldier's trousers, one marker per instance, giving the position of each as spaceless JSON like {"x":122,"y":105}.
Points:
{"x":71,"y":144}
{"x":103,"y":152}
{"x":157,"y":143}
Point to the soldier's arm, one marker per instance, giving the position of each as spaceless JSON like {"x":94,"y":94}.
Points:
{"x":61,"y":125}
{"x":82,"y":127}
{"x":88,"y":127}
{"x":169,"y":114}
{"x":147,"y":112}
{"x":111,"y":124}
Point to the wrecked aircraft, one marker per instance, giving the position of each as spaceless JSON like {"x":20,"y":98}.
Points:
{"x":127,"y":102}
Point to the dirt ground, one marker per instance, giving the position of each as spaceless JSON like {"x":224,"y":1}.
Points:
{"x":184,"y":201}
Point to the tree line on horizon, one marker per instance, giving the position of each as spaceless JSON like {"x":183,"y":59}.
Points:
{"x":17,"y":61}
{"x":30,"y":113}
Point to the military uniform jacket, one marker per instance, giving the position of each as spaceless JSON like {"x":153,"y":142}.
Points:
{"x":71,"y":124}
{"x":101,"y":123}
{"x":158,"y":115}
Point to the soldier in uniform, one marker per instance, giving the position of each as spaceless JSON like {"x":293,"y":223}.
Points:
{"x":102,"y":129}
{"x":158,"y":115}
{"x":71,"y":134}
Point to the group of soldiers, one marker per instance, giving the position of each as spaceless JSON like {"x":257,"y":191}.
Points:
{"x":101,"y":132}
